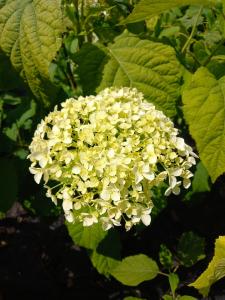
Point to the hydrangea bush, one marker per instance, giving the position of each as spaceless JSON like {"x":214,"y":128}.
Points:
{"x":101,"y":155}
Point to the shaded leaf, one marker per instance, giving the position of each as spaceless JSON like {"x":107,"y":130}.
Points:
{"x":11,"y":132}
{"x":200,"y":182}
{"x":40,"y":205}
{"x":9,"y":79}
{"x":215,"y":270}
{"x":190,"y":248}
{"x":135,"y":269}
{"x":217,"y":63}
{"x":104,"y":264}
{"x":2,"y":3}
{"x":91,"y":60}
{"x":204,"y":110}
{"x":165,"y":257}
{"x":107,"y":255}
{"x":27,"y":114}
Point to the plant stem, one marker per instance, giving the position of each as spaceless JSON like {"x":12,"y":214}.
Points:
{"x":69,"y":73}
{"x":162,"y":273}
{"x":188,"y":41}
{"x":79,"y":20}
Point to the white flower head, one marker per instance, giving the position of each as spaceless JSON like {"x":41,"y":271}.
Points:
{"x":106,"y":153}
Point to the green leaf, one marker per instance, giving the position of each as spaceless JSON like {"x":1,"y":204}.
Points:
{"x":190,"y":248}
{"x":20,"y":116}
{"x":192,"y":17}
{"x":135,"y":269}
{"x":91,"y":60}
{"x":200,"y":182}
{"x":146,"y":9}
{"x":11,"y":132}
{"x":88,"y":237}
{"x":8,"y":184}
{"x":30,"y":34}
{"x":167,"y":297}
{"x":149,"y":66}
{"x":2,"y":3}
{"x":102,"y":263}
{"x":27,"y":114}
{"x":9,"y":78}
{"x":215,"y":270}
{"x":107,"y":255}
{"x":217,"y":63}
{"x":186,"y":297}
{"x":165,"y":257}
{"x":204,"y":111}
{"x":174,"y":281}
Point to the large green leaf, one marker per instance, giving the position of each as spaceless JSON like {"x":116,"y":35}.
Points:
{"x":30,"y":34}
{"x":215,"y":270}
{"x":135,"y":269}
{"x":88,"y":237}
{"x":204,"y":110}
{"x":146,"y":9}
{"x":91,"y":60}
{"x":149,"y":66}
{"x":107,"y":255}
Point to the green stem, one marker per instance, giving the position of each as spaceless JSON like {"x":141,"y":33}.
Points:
{"x":69,"y":73}
{"x":162,"y":273}
{"x":192,"y":32}
{"x":79,"y":20}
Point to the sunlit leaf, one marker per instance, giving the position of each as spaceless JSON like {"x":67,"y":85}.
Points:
{"x":149,"y":66}
{"x":135,"y":269}
{"x":215,"y":270}
{"x":204,"y":110}
{"x":30,"y":34}
{"x":146,"y":9}
{"x":174,"y":282}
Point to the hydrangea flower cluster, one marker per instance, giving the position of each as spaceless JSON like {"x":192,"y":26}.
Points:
{"x":101,"y":155}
